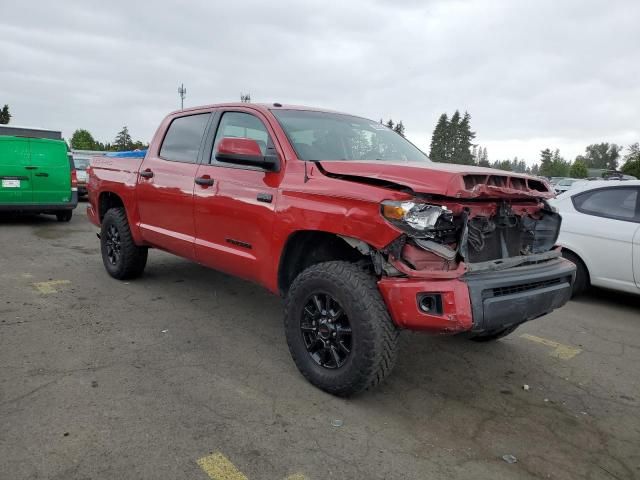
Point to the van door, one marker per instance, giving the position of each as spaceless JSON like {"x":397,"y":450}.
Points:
{"x":51,"y":171}
{"x":15,"y":172}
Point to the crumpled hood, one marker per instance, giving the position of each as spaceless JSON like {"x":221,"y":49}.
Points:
{"x":450,"y":180}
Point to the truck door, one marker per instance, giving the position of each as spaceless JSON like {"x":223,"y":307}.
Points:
{"x":15,"y":172}
{"x":164,"y":189}
{"x":235,"y":204}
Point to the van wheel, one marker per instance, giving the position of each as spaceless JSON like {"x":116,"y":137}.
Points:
{"x":122,"y":258}
{"x":64,"y":215}
{"x":338,"y":328}
{"x":492,"y":335}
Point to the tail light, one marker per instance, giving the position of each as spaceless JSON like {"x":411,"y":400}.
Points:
{"x":74,"y":180}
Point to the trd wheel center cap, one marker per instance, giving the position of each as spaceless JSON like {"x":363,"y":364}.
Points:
{"x":325,"y":330}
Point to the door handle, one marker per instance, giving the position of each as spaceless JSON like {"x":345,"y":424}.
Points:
{"x":205,"y":181}
{"x":31,"y":167}
{"x":42,"y":174}
{"x":146,"y":173}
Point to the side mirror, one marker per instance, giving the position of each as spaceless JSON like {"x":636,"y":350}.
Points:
{"x":245,"y":151}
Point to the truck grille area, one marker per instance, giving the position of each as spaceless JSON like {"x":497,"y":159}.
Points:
{"x":506,"y":235}
{"x":524,"y":287}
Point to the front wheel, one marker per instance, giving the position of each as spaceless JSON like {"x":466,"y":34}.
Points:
{"x":338,"y":328}
{"x":122,"y":258}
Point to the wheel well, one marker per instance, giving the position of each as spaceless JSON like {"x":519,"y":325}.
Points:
{"x":107,"y":201}
{"x":307,"y":248}
{"x":579,"y":259}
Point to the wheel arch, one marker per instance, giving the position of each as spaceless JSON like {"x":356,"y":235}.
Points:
{"x":108,"y":200}
{"x":304,"y":248}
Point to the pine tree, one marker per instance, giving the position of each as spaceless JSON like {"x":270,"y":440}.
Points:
{"x":390,"y":124}
{"x":462,"y":136}
{"x":438,"y":149}
{"x":452,"y":138}
{"x":484,"y":159}
{"x":5,"y":115}
{"x":399,"y":128}
{"x":123,"y":140}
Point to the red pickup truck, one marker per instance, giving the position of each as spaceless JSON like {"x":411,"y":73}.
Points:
{"x":352,"y":224}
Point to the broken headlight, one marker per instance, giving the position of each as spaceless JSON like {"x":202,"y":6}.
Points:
{"x":415,"y":218}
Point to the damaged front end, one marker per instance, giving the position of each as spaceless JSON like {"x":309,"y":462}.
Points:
{"x":479,"y":266}
{"x":454,"y":236}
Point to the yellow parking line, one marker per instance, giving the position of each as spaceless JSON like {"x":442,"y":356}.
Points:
{"x":563,"y":352}
{"x":218,"y":467}
{"x":48,"y":287}
{"x":296,"y":476}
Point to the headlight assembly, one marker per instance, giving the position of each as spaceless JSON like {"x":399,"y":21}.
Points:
{"x":416,"y":218}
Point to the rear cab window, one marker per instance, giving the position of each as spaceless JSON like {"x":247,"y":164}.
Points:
{"x":183,"y":138}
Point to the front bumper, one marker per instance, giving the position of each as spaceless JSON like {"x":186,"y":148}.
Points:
{"x":483,"y":301}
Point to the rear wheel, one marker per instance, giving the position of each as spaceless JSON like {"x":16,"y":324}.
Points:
{"x":122,"y":258}
{"x":64,"y":215}
{"x":582,"y":280}
{"x":338,"y":328}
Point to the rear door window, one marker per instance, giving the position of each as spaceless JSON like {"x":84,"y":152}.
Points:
{"x":616,"y":203}
{"x":183,"y":138}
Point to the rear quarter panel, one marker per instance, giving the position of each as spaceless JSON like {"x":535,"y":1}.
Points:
{"x":116,"y":176}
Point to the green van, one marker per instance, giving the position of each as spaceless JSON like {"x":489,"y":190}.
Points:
{"x":37,"y":175}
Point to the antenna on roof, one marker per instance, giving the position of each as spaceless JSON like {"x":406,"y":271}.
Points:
{"x":183,"y":93}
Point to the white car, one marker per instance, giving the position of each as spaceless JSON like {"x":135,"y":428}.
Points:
{"x":600,"y":233}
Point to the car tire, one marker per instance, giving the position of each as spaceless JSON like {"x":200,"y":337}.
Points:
{"x":340,"y":353}
{"x":64,"y":215}
{"x":122,"y":258}
{"x":493,"y":335}
{"x":582,"y":281}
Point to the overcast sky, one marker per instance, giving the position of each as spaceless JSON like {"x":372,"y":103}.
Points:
{"x":533,"y":74}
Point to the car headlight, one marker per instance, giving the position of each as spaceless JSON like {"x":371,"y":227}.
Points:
{"x":414,"y":217}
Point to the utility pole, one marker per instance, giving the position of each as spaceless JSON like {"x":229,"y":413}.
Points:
{"x":183,"y":93}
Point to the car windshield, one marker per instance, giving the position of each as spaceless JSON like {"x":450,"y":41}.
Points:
{"x":81,"y":163}
{"x":566,"y":182}
{"x":334,"y":136}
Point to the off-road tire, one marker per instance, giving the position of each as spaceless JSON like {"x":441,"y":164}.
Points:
{"x":374,"y":336}
{"x":132,"y":258}
{"x":493,"y":335}
{"x":582,"y":281}
{"x":64,"y":215}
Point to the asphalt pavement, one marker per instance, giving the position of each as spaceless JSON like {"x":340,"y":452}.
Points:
{"x":185,"y":374}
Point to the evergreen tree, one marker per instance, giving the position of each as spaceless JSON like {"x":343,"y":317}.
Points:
{"x":437,"y":151}
{"x":245,"y":97}
{"x":399,"y":128}
{"x":484,"y":158}
{"x":535,"y":169}
{"x":390,"y":124}
{"x":552,"y":164}
{"x":123,"y":140}
{"x":83,"y":140}
{"x":452,"y":138}
{"x":5,"y":115}
{"x":462,"y":136}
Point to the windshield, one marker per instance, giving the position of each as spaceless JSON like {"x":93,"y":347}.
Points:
{"x":333,"y":136}
{"x":566,"y":183}
{"x":81,"y":163}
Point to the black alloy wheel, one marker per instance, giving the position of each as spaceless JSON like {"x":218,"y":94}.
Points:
{"x":113,"y":244}
{"x":326,"y":331}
